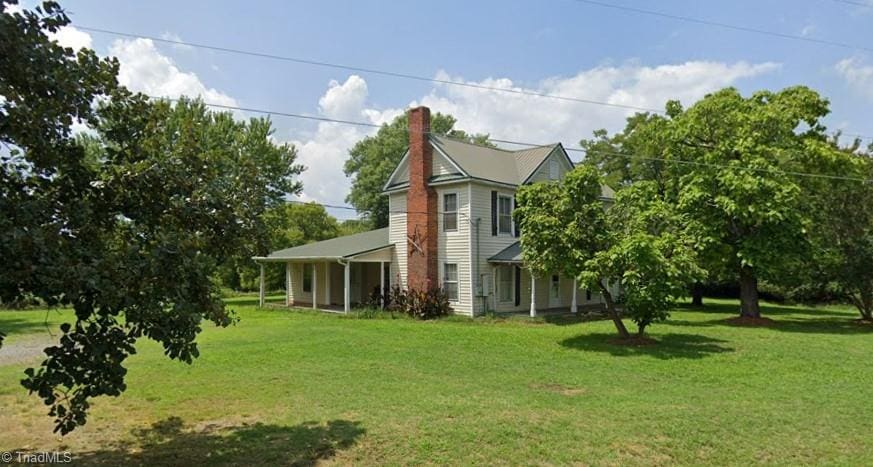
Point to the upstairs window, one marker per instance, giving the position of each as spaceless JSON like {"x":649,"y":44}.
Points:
{"x":554,"y":169}
{"x":504,"y":215}
{"x":450,"y":281}
{"x":450,"y":212}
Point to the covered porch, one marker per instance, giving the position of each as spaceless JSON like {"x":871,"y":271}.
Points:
{"x":333,"y":275}
{"x":517,"y":289}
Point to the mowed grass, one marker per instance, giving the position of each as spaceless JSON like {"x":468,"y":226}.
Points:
{"x":293,"y":387}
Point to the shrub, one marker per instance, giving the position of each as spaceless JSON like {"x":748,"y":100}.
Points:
{"x":420,"y":304}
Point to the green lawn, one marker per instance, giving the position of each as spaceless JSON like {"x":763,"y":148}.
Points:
{"x":296,"y":387}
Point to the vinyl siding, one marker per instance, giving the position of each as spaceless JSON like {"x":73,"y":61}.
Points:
{"x":397,"y":236}
{"x":542,"y":173}
{"x":454,"y":247}
{"x":441,"y":166}
{"x":491,"y":245}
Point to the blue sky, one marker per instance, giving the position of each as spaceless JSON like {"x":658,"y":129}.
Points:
{"x":556,"y":46}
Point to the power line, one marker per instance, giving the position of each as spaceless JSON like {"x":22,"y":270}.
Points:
{"x":374,"y":71}
{"x":855,"y":3}
{"x":734,"y":27}
{"x":522,"y":143}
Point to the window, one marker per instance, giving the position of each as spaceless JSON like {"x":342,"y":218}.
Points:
{"x":307,"y":277}
{"x":505,"y":284}
{"x":504,"y":214}
{"x":554,"y":169}
{"x":555,"y":287}
{"x":450,"y":212}
{"x":450,"y":281}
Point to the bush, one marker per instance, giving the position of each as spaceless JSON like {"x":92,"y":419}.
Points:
{"x":419,"y":304}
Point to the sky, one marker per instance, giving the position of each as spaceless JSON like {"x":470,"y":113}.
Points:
{"x":565,"y":47}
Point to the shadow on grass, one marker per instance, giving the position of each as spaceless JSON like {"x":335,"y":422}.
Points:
{"x":766,"y":310}
{"x":168,"y":442}
{"x":847,"y":326}
{"x":12,"y":326}
{"x":668,"y":346}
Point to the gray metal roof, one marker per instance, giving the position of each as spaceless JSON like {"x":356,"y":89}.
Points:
{"x":335,"y":248}
{"x":510,"y":254}
{"x":498,"y":165}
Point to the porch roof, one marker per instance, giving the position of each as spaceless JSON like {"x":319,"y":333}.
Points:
{"x":345,"y":247}
{"x":510,"y":254}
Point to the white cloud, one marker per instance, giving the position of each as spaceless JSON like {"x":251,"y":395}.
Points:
{"x":512,"y":116}
{"x":543,"y":120}
{"x":327,"y":150}
{"x":170,"y":36}
{"x":857,"y":74}
{"x":69,"y":36}
{"x":144,"y":69}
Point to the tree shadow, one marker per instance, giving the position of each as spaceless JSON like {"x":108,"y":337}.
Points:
{"x":767,"y":309}
{"x":168,"y":442}
{"x":845,"y":326}
{"x":668,"y":346}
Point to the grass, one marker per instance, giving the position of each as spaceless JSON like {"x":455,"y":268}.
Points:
{"x":286,"y":387}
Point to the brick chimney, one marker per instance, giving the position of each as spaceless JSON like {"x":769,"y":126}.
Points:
{"x":421,"y":206}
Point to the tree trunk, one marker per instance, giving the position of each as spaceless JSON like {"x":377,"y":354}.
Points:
{"x":749,"y":293}
{"x":864,"y":303}
{"x":697,"y":294}
{"x":613,"y":313}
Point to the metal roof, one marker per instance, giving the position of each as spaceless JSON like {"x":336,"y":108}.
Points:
{"x":494,"y":164}
{"x":510,"y":254}
{"x":335,"y":248}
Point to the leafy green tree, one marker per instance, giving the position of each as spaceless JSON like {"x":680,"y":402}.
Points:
{"x":735,"y":186}
{"x":127,"y":230}
{"x":842,"y":235}
{"x":639,"y":242}
{"x":288,"y":225}
{"x":372,"y":160}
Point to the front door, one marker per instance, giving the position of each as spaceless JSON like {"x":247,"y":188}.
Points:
{"x":355,"y":280}
{"x":555,"y":291}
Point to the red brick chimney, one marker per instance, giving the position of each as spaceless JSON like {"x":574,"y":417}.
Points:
{"x":421,"y":206}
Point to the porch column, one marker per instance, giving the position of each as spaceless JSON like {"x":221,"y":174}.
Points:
{"x":314,"y":286}
{"x":347,"y":289}
{"x":327,"y":284}
{"x":262,"y":290}
{"x":573,"y":303}
{"x":288,"y":283}
{"x":382,"y":284}
{"x":533,"y":295}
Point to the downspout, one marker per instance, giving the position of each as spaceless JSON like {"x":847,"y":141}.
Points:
{"x":479,"y":289}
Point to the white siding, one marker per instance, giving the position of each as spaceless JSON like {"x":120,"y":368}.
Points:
{"x":397,"y":236}
{"x":441,"y":165}
{"x":542,"y":173}
{"x":491,"y":245}
{"x":454,"y":247}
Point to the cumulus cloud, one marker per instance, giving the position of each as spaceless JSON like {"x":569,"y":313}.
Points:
{"x":145,"y":69}
{"x":512,"y":116}
{"x":327,"y":150}
{"x":857,"y":74}
{"x":543,"y":120}
{"x":69,"y":36}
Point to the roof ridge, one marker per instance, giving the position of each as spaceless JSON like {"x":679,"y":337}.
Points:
{"x":459,"y":140}
{"x":550,"y":145}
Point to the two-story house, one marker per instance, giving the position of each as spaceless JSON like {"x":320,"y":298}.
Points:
{"x":450,"y":225}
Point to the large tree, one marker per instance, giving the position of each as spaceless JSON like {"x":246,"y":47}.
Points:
{"x":126,"y":229}
{"x":372,"y":160}
{"x":737,"y":187}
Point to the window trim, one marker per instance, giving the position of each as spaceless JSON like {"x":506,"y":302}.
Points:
{"x":511,"y":232}
{"x":457,"y":282}
{"x":511,"y":283}
{"x":456,"y":211}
